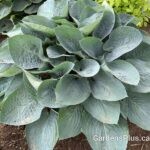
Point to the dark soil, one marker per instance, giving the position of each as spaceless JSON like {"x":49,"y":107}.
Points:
{"x":13,"y":138}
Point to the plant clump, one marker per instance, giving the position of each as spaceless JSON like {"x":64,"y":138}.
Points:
{"x":70,"y":67}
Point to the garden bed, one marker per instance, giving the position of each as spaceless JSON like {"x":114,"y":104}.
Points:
{"x":13,"y":138}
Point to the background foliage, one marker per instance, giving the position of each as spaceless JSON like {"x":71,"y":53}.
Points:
{"x":138,"y":8}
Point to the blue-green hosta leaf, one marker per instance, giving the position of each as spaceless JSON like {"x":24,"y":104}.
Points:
{"x":124,"y":71}
{"x":62,"y":69}
{"x":99,"y":135}
{"x":15,"y":84}
{"x":144,"y":71}
{"x":43,"y":134}
{"x":57,"y":61}
{"x":122,"y":40}
{"x":20,"y":108}
{"x":5,"y":25}
{"x":40,"y":24}
{"x":5,"y":57}
{"x":29,"y":31}
{"x":72,"y":90}
{"x":20,"y":5}
{"x":91,"y":4}
{"x":69,"y":38}
{"x":56,"y":51}
{"x":32,"y":9}
{"x":5,"y":9}
{"x":107,"y":22}
{"x":15,"y":31}
{"x":9,"y":71}
{"x":146,"y":37}
{"x":36,"y":1}
{"x":4,"y":85}
{"x":90,"y":23}
{"x":117,"y":21}
{"x":46,"y":94}
{"x":136,"y":108}
{"x":92,"y":46}
{"x":47,"y":9}
{"x":88,"y":19}
{"x":63,"y":21}
{"x":86,"y":13}
{"x":142,"y":52}
{"x":70,"y":121}
{"x":31,"y":83}
{"x":105,"y":87}
{"x":3,"y":66}
{"x":53,"y":8}
{"x":104,"y":111}
{"x":126,"y":18}
{"x":87,"y":67}
{"x":35,"y":82}
{"x":76,"y":10}
{"x":80,"y":8}
{"x":25,"y":51}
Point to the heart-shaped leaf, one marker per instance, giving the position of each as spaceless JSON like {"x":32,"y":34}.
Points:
{"x":69,"y":38}
{"x":25,"y":51}
{"x":92,"y":46}
{"x":5,"y":25}
{"x":15,"y":84}
{"x":53,"y":8}
{"x":124,"y":71}
{"x":4,"y":85}
{"x":20,"y":5}
{"x":99,"y":135}
{"x":62,"y":69}
{"x":144,"y":71}
{"x":76,"y":10}
{"x":76,"y":90}
{"x":107,"y":22}
{"x":5,"y":9}
{"x":87,"y":67}
{"x":46,"y":94}
{"x":9,"y":71}
{"x":90,"y":23}
{"x":5,"y":56}
{"x":136,"y":108}
{"x":126,"y":18}
{"x":20,"y":108}
{"x":105,"y":87}
{"x":104,"y":111}
{"x":32,"y":9}
{"x":43,"y":134}
{"x":56,"y":51}
{"x":15,"y":31}
{"x":70,"y":121}
{"x":121,"y":41}
{"x":142,"y":52}
{"x":40,"y":24}
{"x":35,"y":82}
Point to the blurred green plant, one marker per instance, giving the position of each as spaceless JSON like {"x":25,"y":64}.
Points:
{"x":138,"y":8}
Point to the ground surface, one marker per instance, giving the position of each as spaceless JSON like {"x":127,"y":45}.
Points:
{"x":13,"y":138}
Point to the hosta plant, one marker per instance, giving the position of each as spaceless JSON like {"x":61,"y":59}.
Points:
{"x":73,"y":67}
